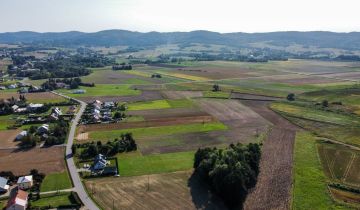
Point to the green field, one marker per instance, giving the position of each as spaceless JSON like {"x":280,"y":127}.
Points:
{"x":104,"y":90}
{"x":316,"y":114}
{"x":56,"y":181}
{"x":158,"y":131}
{"x":310,"y":184}
{"x":134,"y":164}
{"x":61,"y":199}
{"x":160,"y":104}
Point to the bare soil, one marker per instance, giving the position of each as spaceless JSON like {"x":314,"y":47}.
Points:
{"x":181,"y":94}
{"x":179,"y":190}
{"x":273,"y":188}
{"x":20,"y":162}
{"x":7,"y":138}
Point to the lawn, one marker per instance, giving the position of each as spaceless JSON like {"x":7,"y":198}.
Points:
{"x":160,"y":104}
{"x":310,"y":184}
{"x":219,"y":94}
{"x":104,"y":90}
{"x":158,"y":131}
{"x":61,"y":199}
{"x":56,"y":181}
{"x":135,"y":164}
{"x":7,"y":120}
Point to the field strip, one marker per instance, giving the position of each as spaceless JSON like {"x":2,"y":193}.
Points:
{"x":348,"y":167}
{"x":329,"y":165}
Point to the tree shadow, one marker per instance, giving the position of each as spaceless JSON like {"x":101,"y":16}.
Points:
{"x":202,"y":196}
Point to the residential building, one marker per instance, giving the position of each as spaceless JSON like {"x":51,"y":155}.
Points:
{"x":80,"y":91}
{"x":34,"y":107}
{"x":43,"y":129}
{"x":100,"y":162}
{"x":14,"y":107}
{"x":4,"y":187}
{"x":21,"y":135}
{"x":18,"y":200}
{"x":25,"y":182}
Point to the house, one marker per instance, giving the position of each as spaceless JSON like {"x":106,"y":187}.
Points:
{"x":97,"y":104}
{"x":100,"y":162}
{"x":14,"y":107}
{"x":71,"y":110}
{"x":53,"y":117}
{"x":25,"y":182}
{"x":21,"y":135}
{"x":18,"y":200}
{"x":12,"y":86}
{"x":4,"y":187}
{"x":43,"y":129}
{"x":109,"y":104}
{"x":56,"y":111}
{"x":34,"y":107}
{"x":80,"y":91}
{"x":2,"y":88}
{"x":60,"y":85}
{"x":24,"y":90}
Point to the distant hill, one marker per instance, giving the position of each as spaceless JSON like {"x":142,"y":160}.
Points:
{"x":348,"y":41}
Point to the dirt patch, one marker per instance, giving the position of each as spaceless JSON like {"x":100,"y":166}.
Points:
{"x":82,"y":136}
{"x":168,"y":113}
{"x":7,"y":138}
{"x":273,"y":188}
{"x":181,"y":94}
{"x":148,"y":123}
{"x":177,"y":190}
{"x":20,"y":162}
{"x":145,"y":95}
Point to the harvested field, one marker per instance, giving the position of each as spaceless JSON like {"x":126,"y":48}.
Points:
{"x":148,"y":123}
{"x":42,"y":97}
{"x":229,"y":110}
{"x":20,"y":162}
{"x":161,"y":191}
{"x":181,"y":94}
{"x":145,"y":95}
{"x":117,"y":77}
{"x":168,"y":113}
{"x":7,"y":138}
{"x":273,"y":188}
{"x":345,"y":75}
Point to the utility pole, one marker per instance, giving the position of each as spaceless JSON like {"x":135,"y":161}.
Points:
{"x":148,"y":186}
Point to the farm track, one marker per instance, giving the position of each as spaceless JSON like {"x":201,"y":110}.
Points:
{"x":273,"y":188}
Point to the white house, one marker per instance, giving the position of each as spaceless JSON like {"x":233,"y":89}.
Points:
{"x":12,"y":86}
{"x":80,"y":91}
{"x":100,"y":162}
{"x":18,"y":200}
{"x":43,"y":129}
{"x":21,"y":135}
{"x":34,"y":107}
{"x":14,"y":107}
{"x":25,"y":182}
{"x":4,"y":187}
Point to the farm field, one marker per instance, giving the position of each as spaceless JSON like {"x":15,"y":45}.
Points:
{"x":103,"y":90}
{"x":46,"y":160}
{"x":7,"y":138}
{"x":160,"y":104}
{"x":42,"y":97}
{"x":309,"y":179}
{"x":341,"y":164}
{"x":155,"y":191}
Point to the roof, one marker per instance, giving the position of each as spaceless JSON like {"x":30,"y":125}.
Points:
{"x":3,"y":183}
{"x":20,"y":197}
{"x":25,"y":179}
{"x":35,"y":105}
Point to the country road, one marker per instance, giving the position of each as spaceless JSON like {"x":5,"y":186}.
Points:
{"x":78,"y":186}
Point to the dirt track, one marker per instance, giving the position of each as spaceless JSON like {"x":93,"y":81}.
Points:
{"x":273,"y":188}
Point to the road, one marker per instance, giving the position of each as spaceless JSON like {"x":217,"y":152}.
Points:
{"x":78,"y":186}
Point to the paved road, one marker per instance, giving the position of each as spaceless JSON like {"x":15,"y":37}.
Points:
{"x":78,"y":186}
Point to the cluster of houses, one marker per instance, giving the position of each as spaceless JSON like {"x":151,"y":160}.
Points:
{"x":42,"y":130}
{"x":101,"y":166}
{"x":18,"y":197}
{"x":23,"y":87}
{"x":101,"y":112}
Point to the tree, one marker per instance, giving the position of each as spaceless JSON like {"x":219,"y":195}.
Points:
{"x":216,"y":88}
{"x":291,"y":97}
{"x":325,"y":103}
{"x":73,"y":149}
{"x":117,"y":115}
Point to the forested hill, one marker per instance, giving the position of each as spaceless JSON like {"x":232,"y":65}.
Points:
{"x":350,"y":41}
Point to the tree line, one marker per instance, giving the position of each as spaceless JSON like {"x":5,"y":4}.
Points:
{"x":230,"y":172}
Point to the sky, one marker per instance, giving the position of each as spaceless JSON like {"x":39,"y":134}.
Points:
{"x":180,"y":15}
